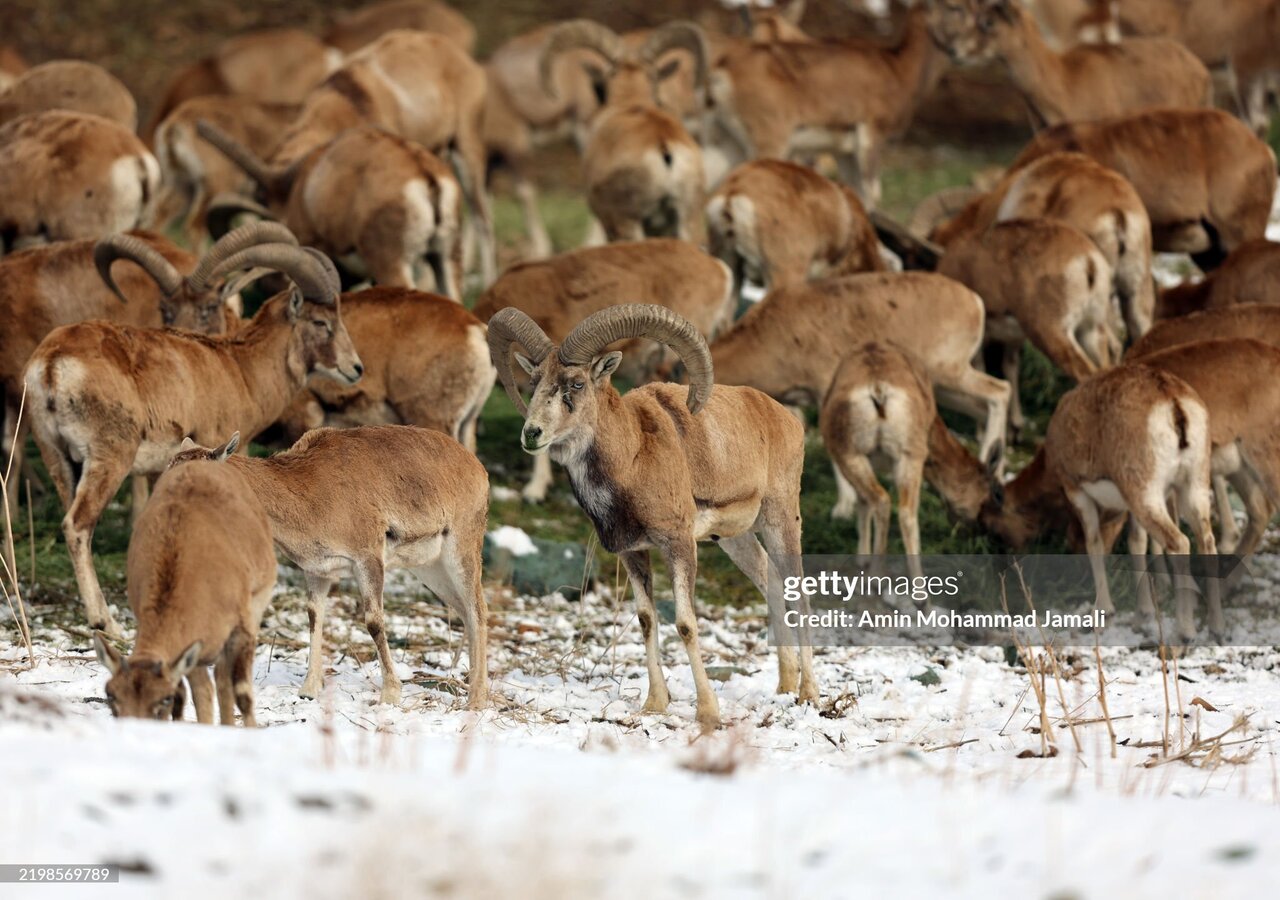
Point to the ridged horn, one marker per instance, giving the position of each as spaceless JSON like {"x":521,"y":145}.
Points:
{"x":641,"y":320}
{"x":937,"y":208}
{"x":329,"y":268}
{"x":577,"y":33}
{"x":310,"y":277}
{"x":511,"y":326}
{"x":679,"y":36}
{"x":233,"y":242}
{"x":238,"y":153}
{"x":136,"y":250}
{"x":224,"y":208}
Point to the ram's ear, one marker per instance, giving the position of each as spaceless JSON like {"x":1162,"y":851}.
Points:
{"x":228,"y":448}
{"x":295,"y":304}
{"x":186,"y":661}
{"x":526,"y":363}
{"x":604,"y":365}
{"x":108,"y":656}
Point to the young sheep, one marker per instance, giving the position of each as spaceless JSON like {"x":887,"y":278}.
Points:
{"x":201,"y":571}
{"x":359,"y":501}
{"x":778,"y":223}
{"x":67,"y":175}
{"x":1135,"y":440}
{"x":383,"y":221}
{"x":880,"y":414}
{"x":1043,"y":281}
{"x":664,"y":467}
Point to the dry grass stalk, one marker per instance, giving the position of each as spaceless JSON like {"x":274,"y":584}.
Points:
{"x":1102,"y":696}
{"x":1053,"y":660}
{"x":1208,"y":752}
{"x":1048,"y":746}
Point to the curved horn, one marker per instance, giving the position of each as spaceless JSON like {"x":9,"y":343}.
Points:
{"x":329,"y":268}
{"x":224,"y":208}
{"x":310,"y":277}
{"x":126,"y":246}
{"x":640,"y":320}
{"x":679,"y":36}
{"x":511,"y":326}
{"x":937,"y":208}
{"x":239,"y":154}
{"x":571,"y":35}
{"x":233,"y":242}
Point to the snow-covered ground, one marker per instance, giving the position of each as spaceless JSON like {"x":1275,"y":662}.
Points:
{"x":919,"y":775}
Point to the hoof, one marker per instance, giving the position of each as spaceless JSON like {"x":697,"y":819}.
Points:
{"x":842,"y":511}
{"x":390,"y":693}
{"x":709,"y":720}
{"x":656,"y":703}
{"x":310,"y":690}
{"x":533,"y":496}
{"x":808,"y":694}
{"x":787,"y":686}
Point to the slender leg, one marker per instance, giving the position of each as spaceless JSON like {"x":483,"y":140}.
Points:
{"x":1010,"y":364}
{"x":640,"y":572}
{"x":140,"y":487}
{"x":749,"y":555}
{"x":1138,"y":552}
{"x":98,"y":483}
{"x":456,"y":579}
{"x":1154,"y":517}
{"x":1094,"y":546}
{"x":536,"y":490}
{"x":846,"y":498}
{"x":242,"y":646}
{"x":201,"y":694}
{"x":1226,"y":516}
{"x":781,"y":539}
{"x":874,"y":508}
{"x":535,"y":228}
{"x":681,"y":556}
{"x":318,"y":587}
{"x":1258,"y":512}
{"x":908,"y":476}
{"x":971,"y":384}
{"x":1194,"y":507}
{"x":369,"y":579}
{"x":226,"y":690}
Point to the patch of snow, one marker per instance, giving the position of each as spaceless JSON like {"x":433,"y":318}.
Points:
{"x":513,"y":539}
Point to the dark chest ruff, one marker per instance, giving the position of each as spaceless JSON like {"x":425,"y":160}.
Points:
{"x":609,"y":509}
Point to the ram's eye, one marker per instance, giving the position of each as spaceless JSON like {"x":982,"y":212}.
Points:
{"x":577,"y":385}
